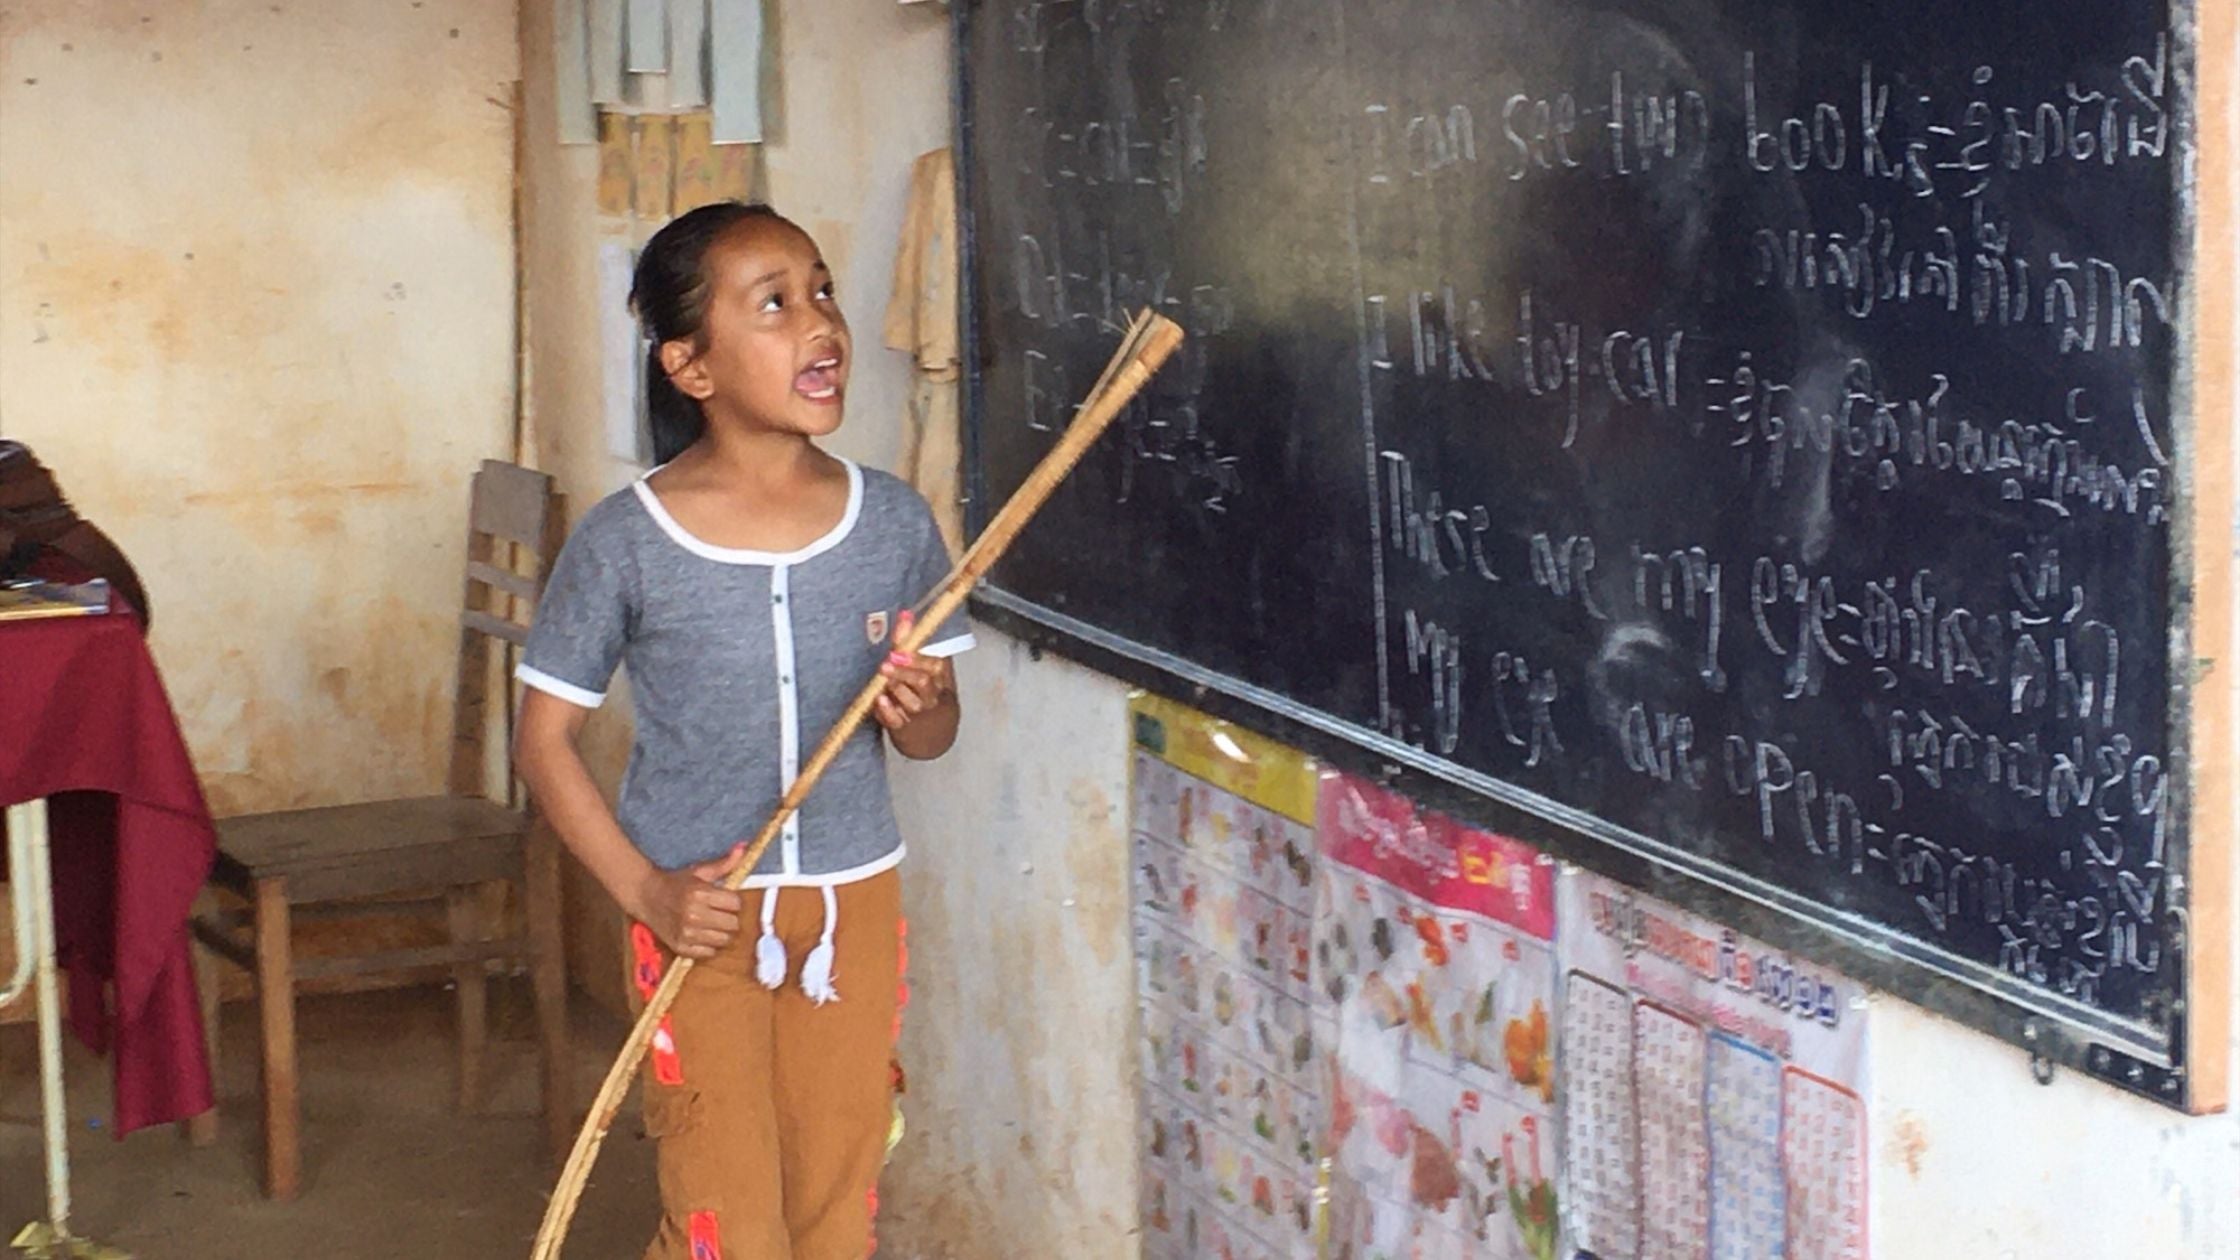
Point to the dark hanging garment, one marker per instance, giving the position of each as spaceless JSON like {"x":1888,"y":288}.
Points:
{"x":36,"y":520}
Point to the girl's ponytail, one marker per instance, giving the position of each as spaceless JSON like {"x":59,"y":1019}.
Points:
{"x":669,"y":293}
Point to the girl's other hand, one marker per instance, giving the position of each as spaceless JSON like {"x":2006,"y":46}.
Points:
{"x":916,"y":685}
{"x":689,"y":910}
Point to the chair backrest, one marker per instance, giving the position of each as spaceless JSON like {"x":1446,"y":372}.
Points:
{"x":515,"y":524}
{"x":513,"y":533}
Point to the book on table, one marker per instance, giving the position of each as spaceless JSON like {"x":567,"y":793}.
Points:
{"x":32,"y":599}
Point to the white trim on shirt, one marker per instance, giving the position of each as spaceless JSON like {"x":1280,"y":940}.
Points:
{"x":876,"y":866}
{"x":789,"y":710}
{"x":734,"y":555}
{"x":567,"y":691}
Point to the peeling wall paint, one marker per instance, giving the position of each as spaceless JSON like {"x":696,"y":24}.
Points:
{"x":256,"y":311}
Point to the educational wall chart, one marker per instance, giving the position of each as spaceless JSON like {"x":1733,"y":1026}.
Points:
{"x":1713,"y":1089}
{"x":1222,"y":848}
{"x":1435,"y":985}
{"x":1371,"y":1032}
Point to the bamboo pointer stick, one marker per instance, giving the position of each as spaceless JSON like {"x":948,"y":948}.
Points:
{"x":1151,"y":339}
{"x":1131,"y":346}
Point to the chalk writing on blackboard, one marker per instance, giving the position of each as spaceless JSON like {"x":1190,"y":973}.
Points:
{"x":1755,"y":432}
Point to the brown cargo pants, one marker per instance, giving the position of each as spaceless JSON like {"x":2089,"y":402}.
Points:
{"x":772,"y":1110}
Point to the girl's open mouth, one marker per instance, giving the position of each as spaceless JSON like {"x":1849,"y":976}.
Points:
{"x":820,"y":381}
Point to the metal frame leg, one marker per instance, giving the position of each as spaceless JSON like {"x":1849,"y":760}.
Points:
{"x":32,"y":880}
{"x":33,"y":897}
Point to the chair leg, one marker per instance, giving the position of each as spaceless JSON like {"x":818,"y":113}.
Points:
{"x":541,"y":911}
{"x":202,"y":1130}
{"x":276,"y":1012}
{"x":471,"y":981}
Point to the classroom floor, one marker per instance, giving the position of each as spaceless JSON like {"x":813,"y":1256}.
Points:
{"x":391,"y":1169}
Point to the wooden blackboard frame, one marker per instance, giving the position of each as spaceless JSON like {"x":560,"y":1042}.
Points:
{"x":2192,"y":1071}
{"x":2207,"y":1048}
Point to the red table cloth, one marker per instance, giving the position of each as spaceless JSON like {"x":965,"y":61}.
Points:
{"x":84,"y":722}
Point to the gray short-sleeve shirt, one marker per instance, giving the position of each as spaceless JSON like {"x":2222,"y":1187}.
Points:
{"x":739,"y":662}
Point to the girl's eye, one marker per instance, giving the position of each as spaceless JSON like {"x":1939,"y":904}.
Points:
{"x":774,"y":302}
{"x":827,"y":293}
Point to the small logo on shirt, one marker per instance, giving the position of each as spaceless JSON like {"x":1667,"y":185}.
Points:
{"x":875,"y":627}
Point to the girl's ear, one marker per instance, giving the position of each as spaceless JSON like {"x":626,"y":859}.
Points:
{"x":686,"y":370}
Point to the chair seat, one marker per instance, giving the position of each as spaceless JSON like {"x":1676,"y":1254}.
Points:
{"x":374,"y":848}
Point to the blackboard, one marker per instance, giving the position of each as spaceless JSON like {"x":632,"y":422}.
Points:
{"x":1758,"y":441}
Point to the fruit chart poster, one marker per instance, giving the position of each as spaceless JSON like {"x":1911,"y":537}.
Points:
{"x":1712,"y":1089}
{"x":1435,"y":974}
{"x":1222,"y":845}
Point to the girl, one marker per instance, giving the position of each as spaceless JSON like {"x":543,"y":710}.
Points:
{"x":749,"y":584}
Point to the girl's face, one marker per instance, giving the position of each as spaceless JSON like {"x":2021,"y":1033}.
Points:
{"x":776,"y":346}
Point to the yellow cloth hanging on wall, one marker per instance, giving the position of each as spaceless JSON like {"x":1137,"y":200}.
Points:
{"x":922,"y":322}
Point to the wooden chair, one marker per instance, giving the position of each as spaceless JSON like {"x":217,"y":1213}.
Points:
{"x":432,"y":854}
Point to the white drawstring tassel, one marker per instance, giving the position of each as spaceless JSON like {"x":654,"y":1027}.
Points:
{"x":816,"y":974}
{"x":770,"y":952}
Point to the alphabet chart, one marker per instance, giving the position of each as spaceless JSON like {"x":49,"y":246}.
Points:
{"x":1223,"y":854}
{"x":1713,"y":1105}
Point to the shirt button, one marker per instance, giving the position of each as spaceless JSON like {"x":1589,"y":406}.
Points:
{"x":777,"y":599}
{"x":785,"y":680}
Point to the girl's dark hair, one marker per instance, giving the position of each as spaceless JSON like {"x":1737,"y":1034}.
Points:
{"x":669,"y":293}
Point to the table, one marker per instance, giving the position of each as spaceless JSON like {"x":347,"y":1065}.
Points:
{"x":85,"y":725}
